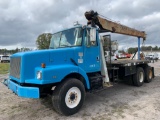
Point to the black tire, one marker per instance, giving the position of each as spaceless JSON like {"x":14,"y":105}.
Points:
{"x":148,"y":74}
{"x":63,"y":95}
{"x":128,"y":80}
{"x":138,"y":77}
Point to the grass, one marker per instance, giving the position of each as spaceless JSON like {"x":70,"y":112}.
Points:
{"x":4,"y":68}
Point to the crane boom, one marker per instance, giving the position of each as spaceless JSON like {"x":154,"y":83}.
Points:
{"x":111,"y":26}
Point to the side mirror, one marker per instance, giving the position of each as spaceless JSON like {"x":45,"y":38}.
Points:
{"x":91,"y":37}
{"x":93,"y":34}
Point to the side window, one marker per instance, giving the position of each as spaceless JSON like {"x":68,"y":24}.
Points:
{"x":87,"y":39}
{"x":78,"y":36}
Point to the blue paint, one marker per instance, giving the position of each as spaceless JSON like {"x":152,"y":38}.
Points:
{"x":57,"y":62}
{"x":21,"y":91}
{"x":83,"y":73}
{"x":139,"y":49}
{"x":58,"y":65}
{"x":91,"y":56}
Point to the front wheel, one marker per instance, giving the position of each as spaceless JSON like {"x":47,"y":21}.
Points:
{"x":69,"y":96}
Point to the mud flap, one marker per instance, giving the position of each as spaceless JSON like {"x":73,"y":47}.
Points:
{"x":153,"y":72}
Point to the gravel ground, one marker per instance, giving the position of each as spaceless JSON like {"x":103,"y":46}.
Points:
{"x":122,"y":102}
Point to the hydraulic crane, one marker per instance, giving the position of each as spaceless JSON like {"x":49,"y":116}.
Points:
{"x":106,"y":25}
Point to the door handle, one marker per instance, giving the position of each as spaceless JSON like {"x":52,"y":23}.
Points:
{"x":97,"y":58}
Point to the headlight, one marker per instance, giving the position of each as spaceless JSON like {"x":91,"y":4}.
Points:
{"x":39,"y":75}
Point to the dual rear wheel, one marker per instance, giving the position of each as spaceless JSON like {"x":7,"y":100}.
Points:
{"x":142,"y":75}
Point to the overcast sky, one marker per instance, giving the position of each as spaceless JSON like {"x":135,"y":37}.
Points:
{"x":21,"y":21}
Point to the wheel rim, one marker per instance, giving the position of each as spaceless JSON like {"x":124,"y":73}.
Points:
{"x":73,"y":97}
{"x":141,"y":77}
{"x":150,"y":74}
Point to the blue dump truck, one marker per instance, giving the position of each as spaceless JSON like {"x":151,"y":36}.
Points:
{"x":75,"y":64}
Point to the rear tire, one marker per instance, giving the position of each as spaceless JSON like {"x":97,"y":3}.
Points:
{"x":148,"y":74}
{"x":138,"y":77}
{"x":128,"y":80}
{"x":68,"y":97}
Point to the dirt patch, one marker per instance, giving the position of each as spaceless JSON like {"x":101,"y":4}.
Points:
{"x":122,"y":102}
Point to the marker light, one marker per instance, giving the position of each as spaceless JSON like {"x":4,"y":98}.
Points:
{"x":43,"y":65}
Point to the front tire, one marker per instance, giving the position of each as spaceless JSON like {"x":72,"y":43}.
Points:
{"x":68,"y":97}
{"x":138,"y":77}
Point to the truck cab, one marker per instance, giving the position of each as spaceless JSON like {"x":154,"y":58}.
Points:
{"x":73,"y":55}
{"x":74,"y":64}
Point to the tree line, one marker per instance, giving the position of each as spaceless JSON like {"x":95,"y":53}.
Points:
{"x":12,"y":51}
{"x":144,"y":48}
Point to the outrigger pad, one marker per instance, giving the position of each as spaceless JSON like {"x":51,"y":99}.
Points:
{"x":107,"y":84}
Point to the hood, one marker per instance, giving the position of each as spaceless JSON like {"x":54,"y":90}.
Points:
{"x":23,"y":64}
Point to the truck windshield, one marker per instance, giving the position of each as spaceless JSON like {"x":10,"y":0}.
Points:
{"x":67,"y":38}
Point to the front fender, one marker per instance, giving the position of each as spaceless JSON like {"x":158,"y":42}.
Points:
{"x":54,"y":74}
{"x":83,"y":73}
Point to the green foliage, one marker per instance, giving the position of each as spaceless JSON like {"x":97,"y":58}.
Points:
{"x":8,"y":52}
{"x":4,"y":68}
{"x":43,"y":41}
{"x":149,"y":48}
{"x":5,"y":51}
{"x":144,"y":48}
{"x":132,"y":50}
{"x":121,"y":51}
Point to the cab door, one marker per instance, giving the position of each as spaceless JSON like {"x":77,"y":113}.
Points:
{"x":91,"y":53}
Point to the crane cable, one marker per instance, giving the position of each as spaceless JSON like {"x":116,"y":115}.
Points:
{"x":142,"y":55}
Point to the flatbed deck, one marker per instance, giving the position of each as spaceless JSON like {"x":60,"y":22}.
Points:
{"x":128,"y":62}
{"x":124,"y":68}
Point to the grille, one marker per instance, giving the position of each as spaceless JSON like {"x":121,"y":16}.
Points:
{"x":15,"y":67}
